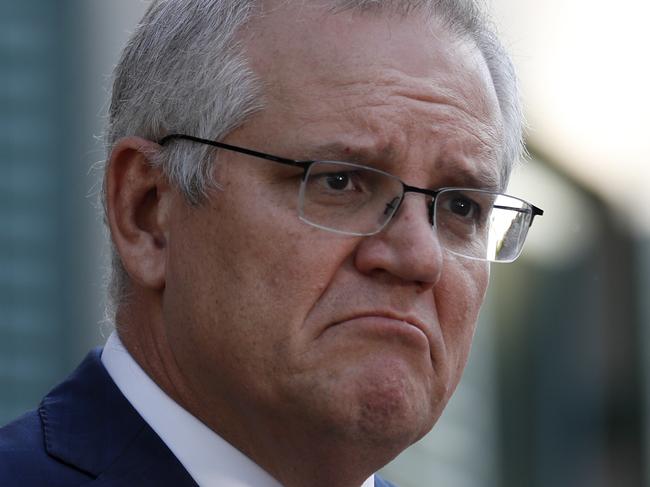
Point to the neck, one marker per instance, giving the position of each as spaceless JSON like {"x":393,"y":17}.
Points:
{"x":289,"y":447}
{"x":305,"y":458}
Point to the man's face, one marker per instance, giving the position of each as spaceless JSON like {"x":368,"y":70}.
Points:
{"x":292,"y":329}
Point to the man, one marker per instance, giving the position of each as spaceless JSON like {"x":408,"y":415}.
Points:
{"x":282,"y":319}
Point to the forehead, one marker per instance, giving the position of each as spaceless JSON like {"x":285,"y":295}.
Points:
{"x":285,"y":37}
{"x":373,"y":82}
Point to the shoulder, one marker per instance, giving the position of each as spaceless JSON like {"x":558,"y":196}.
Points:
{"x":86,"y":432}
{"x":31,"y":446}
{"x":24,"y":461}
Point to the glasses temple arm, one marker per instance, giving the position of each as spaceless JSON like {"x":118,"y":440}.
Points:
{"x":242,"y":150}
{"x":534,"y":211}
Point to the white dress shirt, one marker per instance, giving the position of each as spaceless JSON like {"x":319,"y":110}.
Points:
{"x":209,"y":459}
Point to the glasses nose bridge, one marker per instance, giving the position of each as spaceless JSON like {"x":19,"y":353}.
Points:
{"x":419,"y":191}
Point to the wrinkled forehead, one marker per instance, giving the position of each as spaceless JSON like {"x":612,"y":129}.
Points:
{"x":308,"y":55}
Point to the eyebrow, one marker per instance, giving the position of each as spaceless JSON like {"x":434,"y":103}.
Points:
{"x":457,"y":172}
{"x":347,"y":152}
{"x":461,"y":175}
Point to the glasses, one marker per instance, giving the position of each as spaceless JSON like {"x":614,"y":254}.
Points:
{"x":352,"y":199}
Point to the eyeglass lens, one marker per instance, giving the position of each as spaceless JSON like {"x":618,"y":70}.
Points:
{"x":357,"y":200}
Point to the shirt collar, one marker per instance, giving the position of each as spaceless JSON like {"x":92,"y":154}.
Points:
{"x":208,"y":458}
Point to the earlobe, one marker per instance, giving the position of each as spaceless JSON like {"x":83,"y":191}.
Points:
{"x":138,"y":200}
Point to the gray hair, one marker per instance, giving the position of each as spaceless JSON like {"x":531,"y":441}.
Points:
{"x":184,"y":70}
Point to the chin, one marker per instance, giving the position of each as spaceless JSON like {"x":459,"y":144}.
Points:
{"x":381,"y":400}
{"x":395,"y":407}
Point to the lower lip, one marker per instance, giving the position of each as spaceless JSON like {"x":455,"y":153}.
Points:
{"x":385,"y":327}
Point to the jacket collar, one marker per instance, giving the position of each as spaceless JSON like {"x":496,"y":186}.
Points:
{"x":89,"y":424}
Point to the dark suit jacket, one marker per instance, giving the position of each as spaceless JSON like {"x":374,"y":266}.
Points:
{"x":85,"y":432}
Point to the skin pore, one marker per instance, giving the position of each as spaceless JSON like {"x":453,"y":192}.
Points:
{"x":320,"y":356}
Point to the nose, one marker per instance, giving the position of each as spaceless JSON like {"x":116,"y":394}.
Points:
{"x":407,"y":248}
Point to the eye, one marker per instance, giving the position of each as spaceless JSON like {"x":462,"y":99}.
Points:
{"x":338,"y":181}
{"x":465,"y":207}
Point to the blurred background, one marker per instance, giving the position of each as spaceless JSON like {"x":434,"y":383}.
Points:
{"x":557,"y":391}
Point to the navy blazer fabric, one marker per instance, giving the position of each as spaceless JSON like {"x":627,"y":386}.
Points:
{"x":85,"y":432}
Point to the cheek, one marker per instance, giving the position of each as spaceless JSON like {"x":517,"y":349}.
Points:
{"x":266,"y":272}
{"x":286,"y":263}
{"x":459,"y":296}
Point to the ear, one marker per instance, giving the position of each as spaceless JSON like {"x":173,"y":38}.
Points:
{"x":138,"y":203}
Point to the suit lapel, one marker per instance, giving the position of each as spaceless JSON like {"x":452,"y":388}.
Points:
{"x":89,"y":424}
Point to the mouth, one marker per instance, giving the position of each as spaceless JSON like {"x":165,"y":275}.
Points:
{"x":388,"y":325}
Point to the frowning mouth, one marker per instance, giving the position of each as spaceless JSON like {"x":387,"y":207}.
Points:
{"x":388,"y":325}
